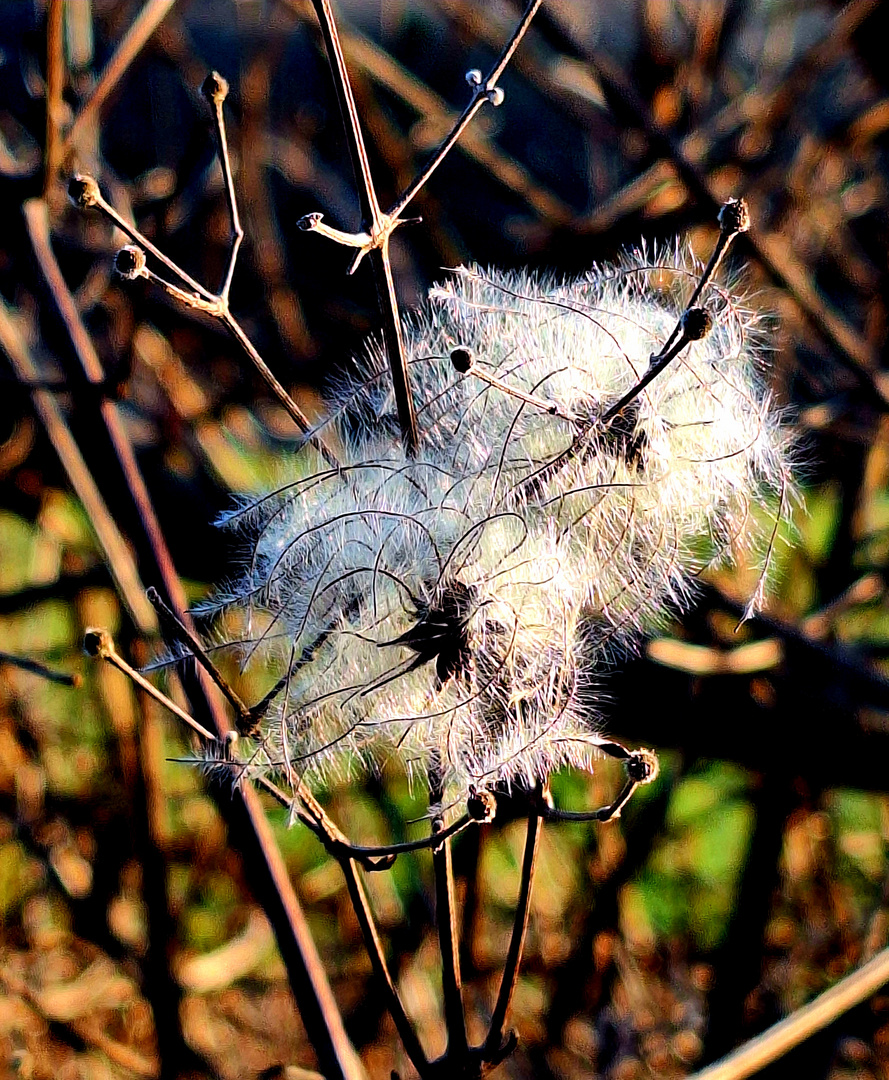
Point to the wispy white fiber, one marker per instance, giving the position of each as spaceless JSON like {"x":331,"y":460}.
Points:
{"x":452,"y":609}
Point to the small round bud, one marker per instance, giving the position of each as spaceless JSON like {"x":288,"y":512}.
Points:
{"x":697,"y":323}
{"x":83,"y":191}
{"x":482,"y":805}
{"x":474,"y":77}
{"x":215,"y":88}
{"x":309,"y":221}
{"x":462,"y":359}
{"x":496,"y":96}
{"x":95,"y":642}
{"x":129,"y":262}
{"x":643,"y":766}
{"x":734,"y":217}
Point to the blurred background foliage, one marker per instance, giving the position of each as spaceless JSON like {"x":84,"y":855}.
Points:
{"x":754,"y":873}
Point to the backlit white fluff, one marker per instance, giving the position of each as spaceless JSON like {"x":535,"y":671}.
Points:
{"x":437,"y":603}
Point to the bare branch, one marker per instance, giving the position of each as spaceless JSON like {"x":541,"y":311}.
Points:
{"x":215,"y":90}
{"x":494,"y":1043}
{"x":484,"y":90}
{"x":802,"y":1024}
{"x":130,"y":45}
{"x":446,"y":921}
{"x":36,"y":668}
{"x":85,"y":192}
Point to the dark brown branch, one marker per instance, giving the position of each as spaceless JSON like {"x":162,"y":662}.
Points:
{"x":446,"y":922}
{"x":36,"y":668}
{"x":495,"y":1042}
{"x":128,"y":48}
{"x":55,"y":86}
{"x":187,"y":637}
{"x":374,"y":947}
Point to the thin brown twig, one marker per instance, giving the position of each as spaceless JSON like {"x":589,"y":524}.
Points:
{"x":36,"y":215}
{"x":118,"y":556}
{"x":186,"y":636}
{"x":306,"y":973}
{"x":484,"y":90}
{"x":85,"y":192}
{"x":434,"y":112}
{"x":374,"y":946}
{"x":446,"y":922}
{"x":308,"y":980}
{"x":311,"y":989}
{"x":63,"y":678}
{"x":98,"y":643}
{"x":642,"y":768}
{"x":377,"y":230}
{"x":377,"y":227}
{"x":802,"y":1024}
{"x":495,"y":1039}
{"x":128,"y":48}
{"x":215,"y":90}
{"x":55,"y":85}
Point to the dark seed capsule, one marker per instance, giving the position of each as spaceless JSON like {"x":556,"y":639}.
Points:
{"x":129,"y":262}
{"x":696,"y":323}
{"x":482,"y":805}
{"x":215,"y":88}
{"x":462,"y":359}
{"x":734,"y":217}
{"x":83,"y":191}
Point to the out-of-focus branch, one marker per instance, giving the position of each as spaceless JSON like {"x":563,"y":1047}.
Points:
{"x":802,"y":1024}
{"x":128,"y":48}
{"x":117,"y":554}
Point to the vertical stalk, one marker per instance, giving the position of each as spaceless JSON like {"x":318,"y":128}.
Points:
{"x":446,"y":922}
{"x":519,"y":931}
{"x":55,"y":85}
{"x":374,"y":947}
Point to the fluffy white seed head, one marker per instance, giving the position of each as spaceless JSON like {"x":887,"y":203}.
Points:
{"x":451,"y":609}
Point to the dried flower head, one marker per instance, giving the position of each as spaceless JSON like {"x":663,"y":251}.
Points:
{"x":588,"y":448}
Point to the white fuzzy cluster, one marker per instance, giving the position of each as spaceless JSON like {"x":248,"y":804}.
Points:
{"x":452,"y":608}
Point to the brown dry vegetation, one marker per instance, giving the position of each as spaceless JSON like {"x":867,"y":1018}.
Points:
{"x":755,"y":873}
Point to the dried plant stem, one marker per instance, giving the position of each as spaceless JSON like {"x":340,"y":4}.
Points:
{"x":446,"y":922}
{"x":802,"y":1024}
{"x":642,"y":768}
{"x":377,"y":229}
{"x":36,"y":668}
{"x":55,"y":85}
{"x":496,"y":1035}
{"x":99,"y":643}
{"x":317,"y":1007}
{"x":187,"y":637}
{"x":484,"y":91}
{"x":129,"y":47}
{"x":215,"y":90}
{"x":372,"y":943}
{"x":308,"y":980}
{"x":118,"y":556}
{"x":85,"y":191}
